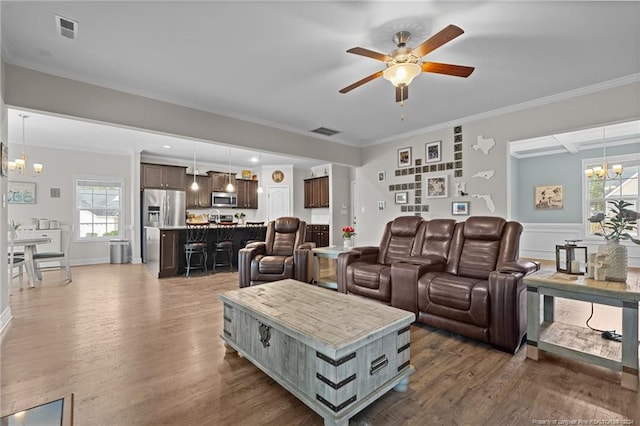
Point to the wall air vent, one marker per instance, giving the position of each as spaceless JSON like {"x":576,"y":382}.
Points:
{"x":66,"y":27}
{"x":325,"y":131}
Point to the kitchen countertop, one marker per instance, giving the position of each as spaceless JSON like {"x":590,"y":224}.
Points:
{"x":177,"y":228}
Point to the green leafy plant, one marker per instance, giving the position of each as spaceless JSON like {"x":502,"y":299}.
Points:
{"x":617,"y":227}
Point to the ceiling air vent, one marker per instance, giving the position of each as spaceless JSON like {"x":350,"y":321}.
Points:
{"x":325,"y":131}
{"x":66,"y":27}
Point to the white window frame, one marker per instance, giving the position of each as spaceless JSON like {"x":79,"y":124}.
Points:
{"x":615,"y":159}
{"x":76,"y":209}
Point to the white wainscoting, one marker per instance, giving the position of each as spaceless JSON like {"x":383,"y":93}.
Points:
{"x":539,"y":241}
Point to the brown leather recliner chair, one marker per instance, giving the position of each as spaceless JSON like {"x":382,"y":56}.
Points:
{"x":366,"y":271}
{"x":430,"y":253}
{"x":481,"y":293}
{"x":282,"y":255}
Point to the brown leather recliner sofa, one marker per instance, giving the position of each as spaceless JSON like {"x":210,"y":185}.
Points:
{"x":461,"y":277}
{"x":282,"y":255}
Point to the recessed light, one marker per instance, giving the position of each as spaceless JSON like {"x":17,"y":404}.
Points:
{"x":254,"y":159}
{"x":166,"y":146}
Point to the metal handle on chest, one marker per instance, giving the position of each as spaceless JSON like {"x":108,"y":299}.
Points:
{"x":265,"y":334}
{"x":378,"y":364}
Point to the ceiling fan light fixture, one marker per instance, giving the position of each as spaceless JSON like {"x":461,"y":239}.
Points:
{"x":402,"y":74}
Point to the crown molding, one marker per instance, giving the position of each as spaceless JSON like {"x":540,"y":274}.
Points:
{"x":594,"y":88}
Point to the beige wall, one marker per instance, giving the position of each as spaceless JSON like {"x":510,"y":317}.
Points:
{"x":609,"y":105}
{"x":60,"y":168}
{"x":45,"y":92}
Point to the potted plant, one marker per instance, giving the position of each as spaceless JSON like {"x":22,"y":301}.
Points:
{"x":347,"y":233}
{"x":614,"y":228}
{"x":240,"y":216}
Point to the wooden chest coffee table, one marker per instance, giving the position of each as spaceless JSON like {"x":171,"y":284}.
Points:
{"x":334,"y":352}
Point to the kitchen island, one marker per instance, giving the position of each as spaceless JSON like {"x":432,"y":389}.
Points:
{"x":164,"y":254}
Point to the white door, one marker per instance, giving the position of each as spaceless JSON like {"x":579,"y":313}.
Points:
{"x":277,"y":202}
{"x":354,"y":202}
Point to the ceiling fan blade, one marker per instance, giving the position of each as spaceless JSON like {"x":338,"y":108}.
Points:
{"x":369,"y":54}
{"x":361,"y":82}
{"x":402,"y":93}
{"x":437,"y":40}
{"x":448,"y":69}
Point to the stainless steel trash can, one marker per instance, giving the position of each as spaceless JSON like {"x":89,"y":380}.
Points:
{"x":119,"y":251}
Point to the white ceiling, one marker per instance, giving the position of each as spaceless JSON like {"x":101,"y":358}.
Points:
{"x":282,"y":63}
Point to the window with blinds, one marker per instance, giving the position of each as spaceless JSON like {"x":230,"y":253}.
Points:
{"x":98,"y":208}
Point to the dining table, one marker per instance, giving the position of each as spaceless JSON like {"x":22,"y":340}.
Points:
{"x":29,"y":246}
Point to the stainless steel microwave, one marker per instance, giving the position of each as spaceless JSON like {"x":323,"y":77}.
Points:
{"x":224,"y":199}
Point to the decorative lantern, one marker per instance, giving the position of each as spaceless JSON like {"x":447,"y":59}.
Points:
{"x":571,"y":258}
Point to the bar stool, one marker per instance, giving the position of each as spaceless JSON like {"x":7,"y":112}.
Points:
{"x":224,"y":244}
{"x":255,"y":232}
{"x":196,"y":244}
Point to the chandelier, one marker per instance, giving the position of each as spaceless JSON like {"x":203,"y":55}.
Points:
{"x":602,"y":172}
{"x":19,"y":165}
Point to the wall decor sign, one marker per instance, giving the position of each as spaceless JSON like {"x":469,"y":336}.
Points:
{"x":381,"y":176}
{"x":548,"y":197}
{"x":4,"y":154}
{"x":433,"y":152}
{"x":21,"y":193}
{"x":437,"y":187}
{"x":402,"y":197}
{"x":460,"y":208}
{"x":404,"y":157}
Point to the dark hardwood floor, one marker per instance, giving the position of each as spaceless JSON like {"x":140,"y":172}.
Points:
{"x":140,"y":351}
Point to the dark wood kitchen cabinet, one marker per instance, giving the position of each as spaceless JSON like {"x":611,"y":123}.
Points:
{"x":318,"y":234}
{"x":202,"y":197}
{"x":220,"y":180}
{"x":169,"y":253}
{"x":316,"y":192}
{"x":159,"y":176}
{"x":247,"y":194}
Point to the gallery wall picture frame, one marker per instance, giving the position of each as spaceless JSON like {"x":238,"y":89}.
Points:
{"x":548,"y":197}
{"x":460,"y":208}
{"x":381,"y":205}
{"x":381,"y":176}
{"x":402,"y":197}
{"x":21,"y":193}
{"x":437,"y":187}
{"x":433,"y":152}
{"x":404,"y":157}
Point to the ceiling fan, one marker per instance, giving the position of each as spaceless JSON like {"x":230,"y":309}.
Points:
{"x":402,"y":63}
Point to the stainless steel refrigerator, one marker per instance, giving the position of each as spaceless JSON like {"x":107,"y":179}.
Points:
{"x":162,"y":208}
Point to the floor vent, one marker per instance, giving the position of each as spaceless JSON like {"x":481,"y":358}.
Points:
{"x":325,"y":131}
{"x":66,"y":27}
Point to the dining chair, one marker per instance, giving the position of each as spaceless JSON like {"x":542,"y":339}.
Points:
{"x":224,"y":245}
{"x":61,"y":256}
{"x":196,"y":244}
{"x":16,"y":260}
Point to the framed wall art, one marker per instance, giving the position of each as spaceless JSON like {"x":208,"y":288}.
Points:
{"x":548,"y":197}
{"x":381,"y":205}
{"x":402,"y":197}
{"x":460,"y":208}
{"x":437,"y":187}
{"x":433,"y":152}
{"x":381,"y":176}
{"x":21,"y":193}
{"x":404,"y":157}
